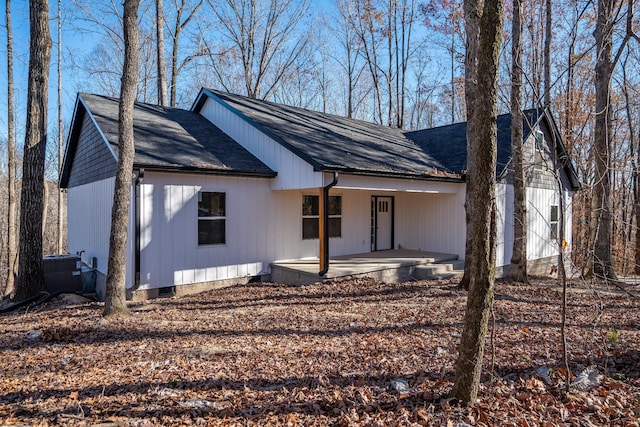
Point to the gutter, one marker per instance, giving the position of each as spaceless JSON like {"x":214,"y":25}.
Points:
{"x":324,"y":242}
{"x":205,"y":171}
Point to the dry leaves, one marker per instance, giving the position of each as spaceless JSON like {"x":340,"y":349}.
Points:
{"x":354,"y":352}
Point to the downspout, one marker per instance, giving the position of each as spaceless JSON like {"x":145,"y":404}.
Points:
{"x":136,"y":231}
{"x":324,"y":252}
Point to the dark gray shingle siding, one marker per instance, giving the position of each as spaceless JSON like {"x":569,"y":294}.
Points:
{"x":92,"y":161}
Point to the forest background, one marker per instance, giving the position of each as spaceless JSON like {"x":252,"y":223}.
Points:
{"x":395,"y":62}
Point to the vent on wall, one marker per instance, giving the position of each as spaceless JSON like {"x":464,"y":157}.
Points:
{"x":167,"y":291}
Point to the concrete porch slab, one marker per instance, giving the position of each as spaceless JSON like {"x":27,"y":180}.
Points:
{"x":388,"y":266}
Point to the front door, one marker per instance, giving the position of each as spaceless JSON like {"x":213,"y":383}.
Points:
{"x":381,"y":223}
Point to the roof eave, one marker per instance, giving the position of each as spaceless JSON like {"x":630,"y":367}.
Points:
{"x":382,"y":174}
{"x":204,"y":171}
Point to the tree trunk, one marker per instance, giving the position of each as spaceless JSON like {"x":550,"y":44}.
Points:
{"x":472,"y":14}
{"x":547,"y":55}
{"x":115,"y":301}
{"x":60,"y":143}
{"x":11,"y":162}
{"x":602,"y":265}
{"x":30,"y":268}
{"x":174,"y":57}
{"x":162,"y":71}
{"x":518,"y":267}
{"x":635,"y":174}
{"x":481,"y":184}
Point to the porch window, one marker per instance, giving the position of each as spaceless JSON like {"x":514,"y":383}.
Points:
{"x":311,"y":216}
{"x":211,"y":218}
{"x":553,"y":221}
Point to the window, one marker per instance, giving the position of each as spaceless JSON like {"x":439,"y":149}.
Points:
{"x":211,"y":218}
{"x":311,"y":217}
{"x":539,"y":149}
{"x":553,"y":222}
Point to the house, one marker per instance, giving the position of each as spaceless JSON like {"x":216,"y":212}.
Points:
{"x":225,"y":190}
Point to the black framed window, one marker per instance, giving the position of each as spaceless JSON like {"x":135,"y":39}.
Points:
{"x":311,"y":216}
{"x":212,"y":218}
{"x":539,"y":149}
{"x":553,"y":221}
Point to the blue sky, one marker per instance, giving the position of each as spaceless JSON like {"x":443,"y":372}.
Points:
{"x":79,"y":44}
{"x":73,"y":43}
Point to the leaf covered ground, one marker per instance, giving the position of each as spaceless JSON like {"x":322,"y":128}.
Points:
{"x":354,"y":352}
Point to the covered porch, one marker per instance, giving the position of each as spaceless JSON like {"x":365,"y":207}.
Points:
{"x":395,"y":265}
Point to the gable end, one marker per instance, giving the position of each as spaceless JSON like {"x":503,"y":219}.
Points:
{"x":89,"y":157}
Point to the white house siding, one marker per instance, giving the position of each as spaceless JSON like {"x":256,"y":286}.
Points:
{"x":540,"y":243}
{"x":89,"y":224}
{"x":431,"y":222}
{"x":293,"y":172}
{"x":504,"y":223}
{"x":263,"y":226}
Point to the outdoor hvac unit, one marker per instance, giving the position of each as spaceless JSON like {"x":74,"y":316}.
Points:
{"x":63,"y":273}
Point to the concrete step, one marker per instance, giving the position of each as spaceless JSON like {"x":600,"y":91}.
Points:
{"x":441,"y":270}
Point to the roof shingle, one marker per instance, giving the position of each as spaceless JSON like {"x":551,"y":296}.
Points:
{"x":173,"y":138}
{"x":335,"y":143}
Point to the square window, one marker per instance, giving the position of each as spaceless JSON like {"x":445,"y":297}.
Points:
{"x":211,"y":204}
{"x":310,"y":205}
{"x":310,"y":228}
{"x":311,"y":216}
{"x":211,"y":232}
{"x":211,"y":218}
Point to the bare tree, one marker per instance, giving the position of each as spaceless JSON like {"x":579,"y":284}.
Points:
{"x":365,"y":24}
{"x":11,"y":161}
{"x":472,"y":15}
{"x":446,"y":18}
{"x":518,"y":267}
{"x":605,"y":64}
{"x":262,"y":37}
{"x":548,"y":33}
{"x":179,"y":26}
{"x":103,"y":64}
{"x":60,"y":129}
{"x":30,"y":267}
{"x":481,"y":185}
{"x":162,"y":71}
{"x":115,"y":299}
{"x":350,"y":62}
{"x":404,"y":16}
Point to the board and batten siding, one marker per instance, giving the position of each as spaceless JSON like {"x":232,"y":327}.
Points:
{"x":265,"y":226}
{"x":261,"y":225}
{"x":431,"y":222}
{"x":89,"y":219}
{"x":540,"y":243}
{"x":293,"y":172}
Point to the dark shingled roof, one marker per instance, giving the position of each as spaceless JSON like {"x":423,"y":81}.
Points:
{"x":173,"y":139}
{"x":334,"y":143}
{"x":448,"y":143}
